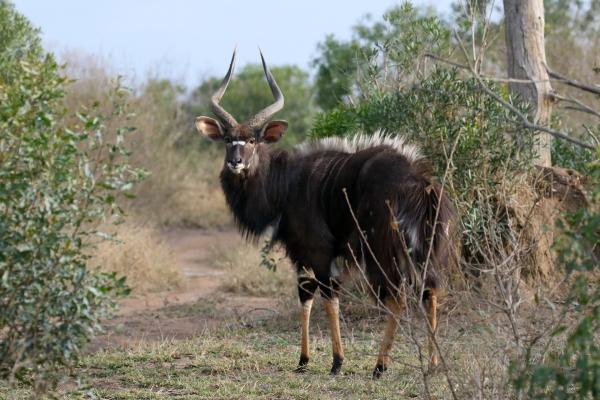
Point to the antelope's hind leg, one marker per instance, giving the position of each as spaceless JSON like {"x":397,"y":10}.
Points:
{"x":307,"y":286}
{"x":431,"y":301}
{"x":393,"y":307}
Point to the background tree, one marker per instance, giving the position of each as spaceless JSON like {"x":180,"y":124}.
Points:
{"x":347,"y":71}
{"x":526,"y":60}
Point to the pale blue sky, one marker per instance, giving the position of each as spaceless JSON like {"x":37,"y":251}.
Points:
{"x":189,"y":40}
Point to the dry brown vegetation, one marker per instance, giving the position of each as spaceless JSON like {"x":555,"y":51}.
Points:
{"x":246,"y":275}
{"x":181,"y":188}
{"x":140,"y":254}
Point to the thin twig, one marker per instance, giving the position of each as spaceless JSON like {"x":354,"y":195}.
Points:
{"x":366,"y":241}
{"x":524,"y":120}
{"x":580,"y":105}
{"x":571,"y":82}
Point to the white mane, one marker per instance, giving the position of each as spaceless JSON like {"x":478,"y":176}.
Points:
{"x":360,"y":142}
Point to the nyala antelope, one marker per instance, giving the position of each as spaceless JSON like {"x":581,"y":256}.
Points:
{"x":369,"y":200}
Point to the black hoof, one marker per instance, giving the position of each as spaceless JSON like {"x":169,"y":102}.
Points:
{"x":336,"y":367}
{"x":302,"y":365}
{"x":378,"y":371}
{"x":301,"y":369}
{"x":433,"y":368}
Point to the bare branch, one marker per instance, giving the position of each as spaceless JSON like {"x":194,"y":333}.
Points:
{"x":571,"y":82}
{"x":592,"y":134}
{"x":487,"y":77}
{"x":580,"y":105}
{"x":524,"y":120}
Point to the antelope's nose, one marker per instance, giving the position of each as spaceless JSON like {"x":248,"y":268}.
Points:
{"x":236,"y":160}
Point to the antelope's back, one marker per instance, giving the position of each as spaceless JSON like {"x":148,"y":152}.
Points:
{"x":382,"y":185}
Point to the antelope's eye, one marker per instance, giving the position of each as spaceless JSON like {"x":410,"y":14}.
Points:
{"x":252,"y":141}
{"x":227,"y":139}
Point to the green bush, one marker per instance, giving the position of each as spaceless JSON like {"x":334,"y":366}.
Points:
{"x":381,"y":55}
{"x":56,"y":183}
{"x":568,"y":155}
{"x":572,"y":371}
{"x":485,"y":157}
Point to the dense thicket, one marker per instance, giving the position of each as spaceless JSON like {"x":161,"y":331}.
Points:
{"x":510,"y":222}
{"x":56,"y":183}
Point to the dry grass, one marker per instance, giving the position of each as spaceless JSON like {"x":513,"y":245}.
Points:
{"x":183,"y":192}
{"x":182,"y":187}
{"x":255,"y":360}
{"x":247,"y":276}
{"x":141,"y":255}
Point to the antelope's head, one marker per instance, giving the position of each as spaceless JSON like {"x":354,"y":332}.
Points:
{"x":243,"y":140}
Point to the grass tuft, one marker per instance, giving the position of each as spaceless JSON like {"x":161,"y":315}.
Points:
{"x":140,"y":254}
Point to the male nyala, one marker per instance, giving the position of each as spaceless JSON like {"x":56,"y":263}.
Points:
{"x":369,"y":200}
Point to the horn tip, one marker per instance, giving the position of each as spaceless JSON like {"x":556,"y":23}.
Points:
{"x":262,"y":59}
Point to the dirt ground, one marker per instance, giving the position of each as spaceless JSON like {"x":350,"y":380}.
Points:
{"x":171,"y":314}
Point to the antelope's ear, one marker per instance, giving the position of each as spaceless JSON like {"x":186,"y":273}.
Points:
{"x":273,"y":131}
{"x":210,"y":128}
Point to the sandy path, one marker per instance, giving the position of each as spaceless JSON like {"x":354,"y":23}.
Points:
{"x":191,"y":248}
{"x":186,"y":312}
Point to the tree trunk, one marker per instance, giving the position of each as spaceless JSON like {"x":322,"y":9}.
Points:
{"x":524,"y":25}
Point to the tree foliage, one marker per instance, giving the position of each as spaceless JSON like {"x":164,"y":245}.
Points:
{"x":466,"y":134}
{"x":347,"y":70}
{"x":56,"y":182}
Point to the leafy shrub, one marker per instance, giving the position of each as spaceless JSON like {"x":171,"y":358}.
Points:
{"x":56,"y":183}
{"x":572,"y":371}
{"x":567,"y":155}
{"x":380,"y":55}
{"x":467,"y":135}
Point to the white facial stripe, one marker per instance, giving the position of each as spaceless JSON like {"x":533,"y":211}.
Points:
{"x":238,"y":143}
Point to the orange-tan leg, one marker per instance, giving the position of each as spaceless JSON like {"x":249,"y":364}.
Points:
{"x":307,"y":287}
{"x":332,"y":308}
{"x":394,"y":307}
{"x":432,"y":320}
{"x":305,"y":339}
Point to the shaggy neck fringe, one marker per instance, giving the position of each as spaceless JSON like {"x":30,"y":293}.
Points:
{"x":257,"y":201}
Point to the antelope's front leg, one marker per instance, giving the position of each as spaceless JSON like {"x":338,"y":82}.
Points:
{"x":307,"y":286}
{"x":332,"y":308}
